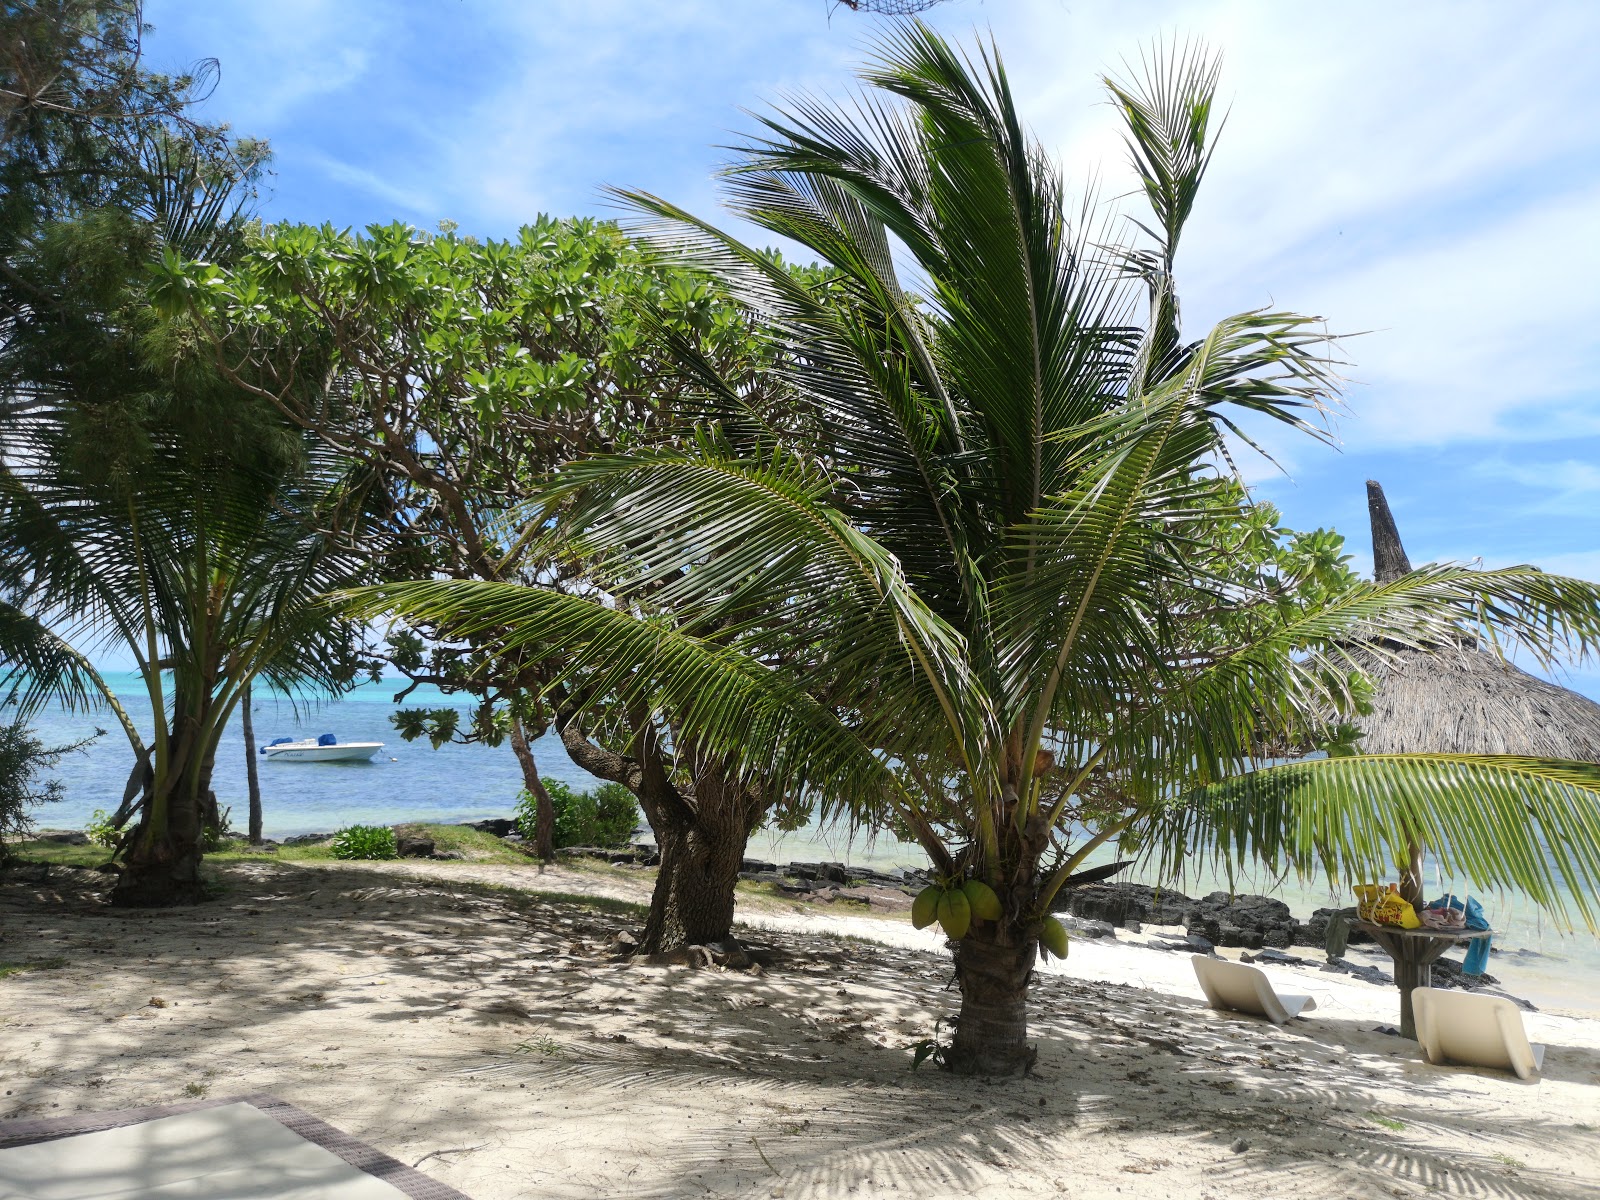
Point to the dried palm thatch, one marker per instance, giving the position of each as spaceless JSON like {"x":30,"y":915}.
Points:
{"x":1460,"y":699}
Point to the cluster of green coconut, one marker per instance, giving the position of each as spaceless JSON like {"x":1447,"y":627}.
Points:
{"x":955,"y":904}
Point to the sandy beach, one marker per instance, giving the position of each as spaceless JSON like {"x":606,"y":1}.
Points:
{"x":469,"y":1018}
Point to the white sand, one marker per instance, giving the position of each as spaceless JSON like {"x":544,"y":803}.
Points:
{"x":485,"y":1030}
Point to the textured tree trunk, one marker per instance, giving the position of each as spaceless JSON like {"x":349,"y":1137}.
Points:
{"x":162,"y":867}
{"x":252,"y":778}
{"x":544,"y":837}
{"x":701,"y":853}
{"x":701,"y":831}
{"x":994,"y":964}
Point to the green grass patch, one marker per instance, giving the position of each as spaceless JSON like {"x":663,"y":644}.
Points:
{"x":57,"y":854}
{"x":37,"y":964}
{"x":1386,"y":1122}
{"x":473,"y":845}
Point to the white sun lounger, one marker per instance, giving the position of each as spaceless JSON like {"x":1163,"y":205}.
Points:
{"x":1231,"y":985}
{"x":1475,"y":1031}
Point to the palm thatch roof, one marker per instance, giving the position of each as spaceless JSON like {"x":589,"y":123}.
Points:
{"x":1461,"y":699}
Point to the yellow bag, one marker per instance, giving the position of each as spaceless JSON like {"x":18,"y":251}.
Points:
{"x":1366,"y":897}
{"x":1391,"y":909}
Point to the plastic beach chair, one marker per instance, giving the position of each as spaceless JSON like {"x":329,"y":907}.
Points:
{"x":1475,"y":1031}
{"x":1231,"y":985}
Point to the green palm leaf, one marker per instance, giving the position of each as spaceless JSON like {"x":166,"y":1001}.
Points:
{"x":1495,"y":821}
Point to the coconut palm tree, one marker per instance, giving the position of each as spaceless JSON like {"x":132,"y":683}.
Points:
{"x":151,"y":510}
{"x":995,"y":601}
{"x":204,"y":570}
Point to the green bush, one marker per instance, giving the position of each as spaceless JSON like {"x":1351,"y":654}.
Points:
{"x":99,"y":829}
{"x":604,"y":817}
{"x":616,"y":815}
{"x":365,"y":841}
{"x":24,"y":760}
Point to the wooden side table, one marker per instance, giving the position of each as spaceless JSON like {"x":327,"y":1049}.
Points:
{"x":1413,"y":952}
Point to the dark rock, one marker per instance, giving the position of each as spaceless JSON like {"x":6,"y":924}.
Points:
{"x":754,"y":866}
{"x":1277,"y":958}
{"x":1314,"y":931}
{"x":1120,"y":903}
{"x":62,"y":837}
{"x":1346,"y":967}
{"x":801,"y":870}
{"x":1250,"y":922}
{"x":498,"y":826}
{"x":409,"y":845}
{"x":1447,"y":973}
{"x":835,"y":873}
{"x":1093,"y":929}
{"x":625,"y":944}
{"x":307,"y":839}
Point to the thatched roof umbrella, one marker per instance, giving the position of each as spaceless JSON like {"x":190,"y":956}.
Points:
{"x":1458,"y":698}
{"x":1461,"y":699}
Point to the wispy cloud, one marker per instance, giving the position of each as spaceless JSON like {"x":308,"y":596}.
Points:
{"x":410,"y":200}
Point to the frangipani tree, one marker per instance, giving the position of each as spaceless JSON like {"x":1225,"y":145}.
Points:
{"x":998,"y":601}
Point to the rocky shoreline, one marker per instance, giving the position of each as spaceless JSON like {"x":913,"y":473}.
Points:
{"x":1261,"y":925}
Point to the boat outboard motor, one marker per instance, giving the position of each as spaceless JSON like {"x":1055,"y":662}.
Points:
{"x":276,"y":742}
{"x":327,"y":739}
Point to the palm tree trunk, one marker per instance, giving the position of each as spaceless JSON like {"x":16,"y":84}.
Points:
{"x":162,"y":866}
{"x":994,"y":964}
{"x":544,"y":831}
{"x":252,"y":777}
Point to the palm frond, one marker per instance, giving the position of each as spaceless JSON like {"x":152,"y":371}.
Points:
{"x":1494,"y":821}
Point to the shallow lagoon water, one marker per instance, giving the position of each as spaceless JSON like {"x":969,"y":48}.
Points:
{"x":413,"y":781}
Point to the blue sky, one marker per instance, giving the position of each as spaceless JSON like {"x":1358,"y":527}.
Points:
{"x":1425,"y":174}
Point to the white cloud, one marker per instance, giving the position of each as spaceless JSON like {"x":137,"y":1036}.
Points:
{"x":411,"y":200}
{"x":277,"y":58}
{"x":1568,"y":487}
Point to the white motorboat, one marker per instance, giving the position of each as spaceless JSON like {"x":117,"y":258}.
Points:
{"x":326,"y":748}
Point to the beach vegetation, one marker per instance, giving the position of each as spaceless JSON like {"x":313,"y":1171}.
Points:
{"x":100,"y":829}
{"x":1019,"y":622}
{"x":147,"y":507}
{"x":24,"y":787}
{"x":461,"y":373}
{"x":606,"y":816}
{"x":365,"y":841}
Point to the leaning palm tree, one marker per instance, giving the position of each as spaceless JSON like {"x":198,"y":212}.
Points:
{"x":983,"y":587}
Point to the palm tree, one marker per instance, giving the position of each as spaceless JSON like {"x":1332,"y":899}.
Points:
{"x":149,"y":509}
{"x":997,"y":606}
{"x":203,"y":569}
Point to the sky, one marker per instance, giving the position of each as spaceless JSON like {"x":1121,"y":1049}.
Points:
{"x":1425,"y":177}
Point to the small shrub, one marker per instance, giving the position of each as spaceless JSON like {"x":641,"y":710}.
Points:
{"x":215,"y":837}
{"x":616,"y":815}
{"x":23,"y":761}
{"x":604,"y":817}
{"x":99,"y":829}
{"x":365,"y":841}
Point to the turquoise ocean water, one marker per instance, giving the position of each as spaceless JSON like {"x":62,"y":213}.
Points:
{"x":413,"y":781}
